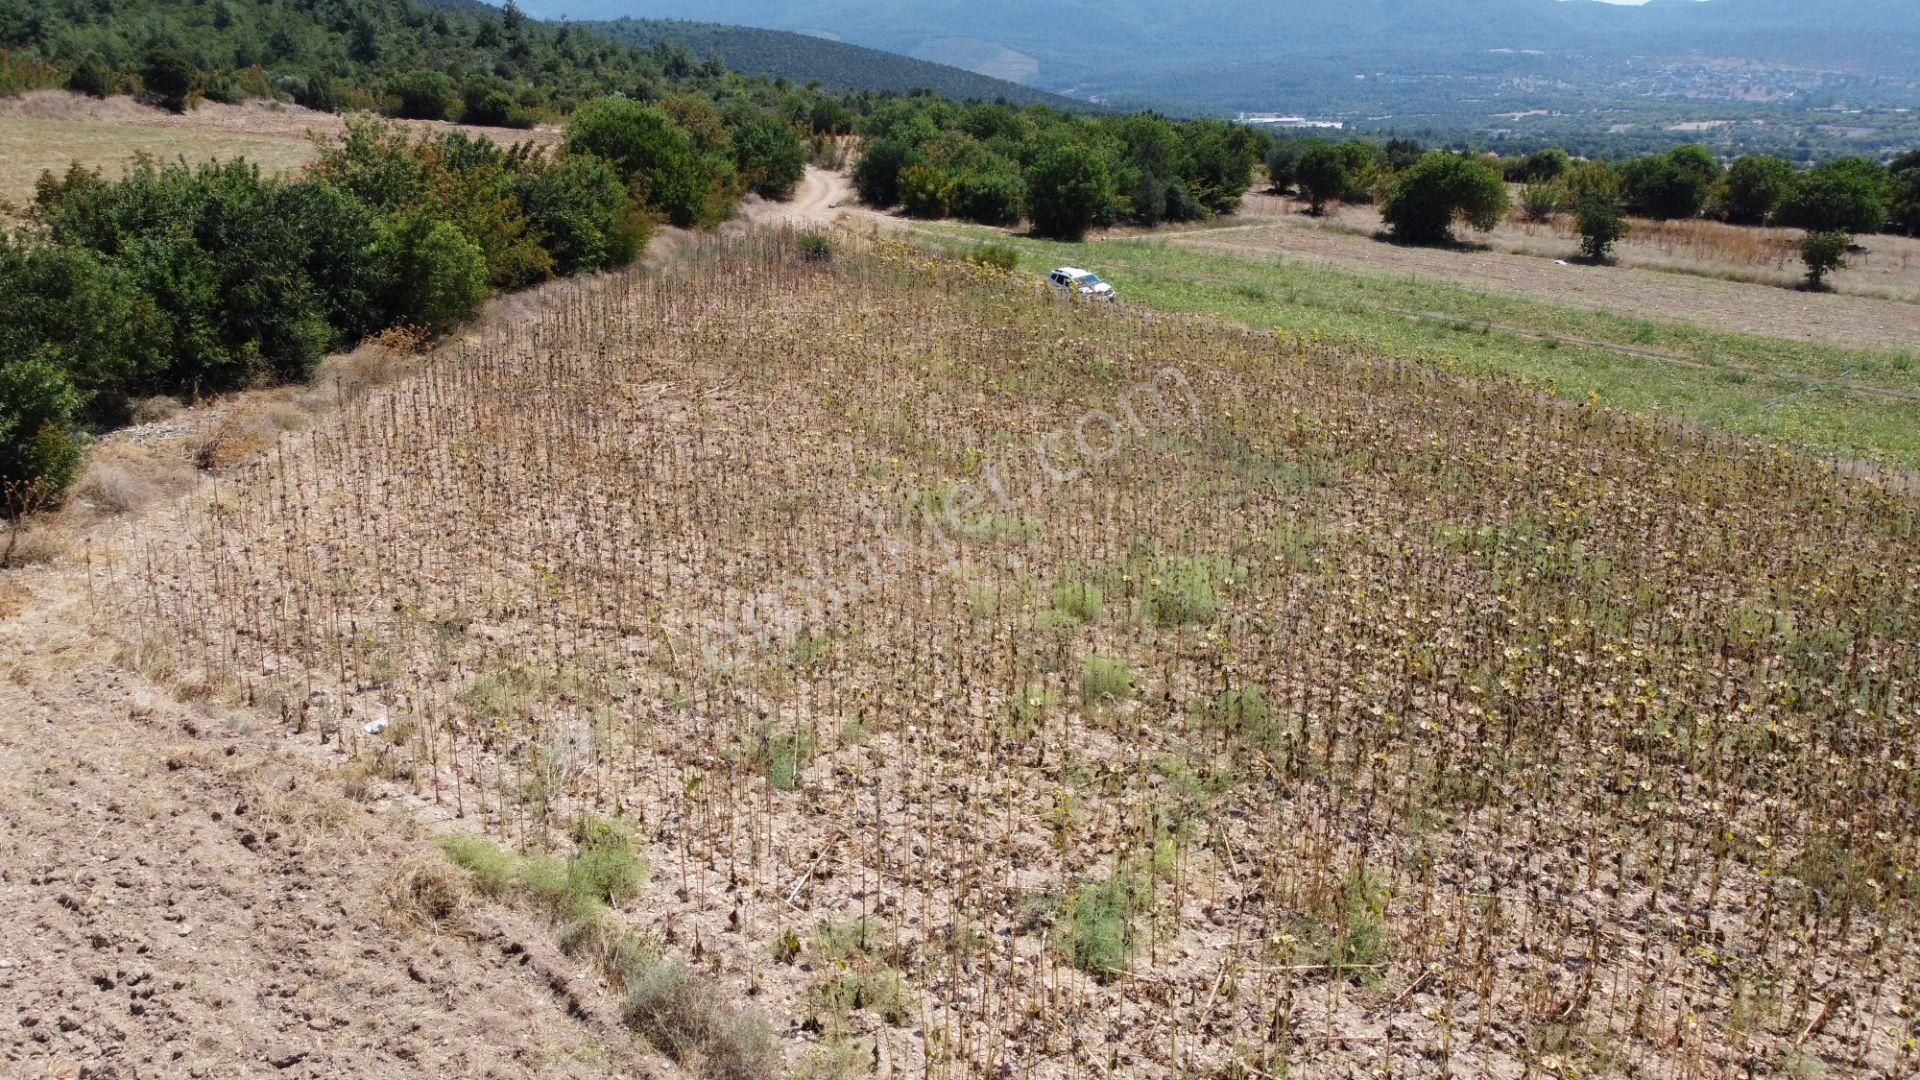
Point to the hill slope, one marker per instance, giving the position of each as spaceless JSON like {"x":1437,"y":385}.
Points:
{"x":1211,"y":50}
{"x":806,"y":57}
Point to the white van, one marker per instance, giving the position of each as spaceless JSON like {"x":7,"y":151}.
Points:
{"x":1073,"y":281}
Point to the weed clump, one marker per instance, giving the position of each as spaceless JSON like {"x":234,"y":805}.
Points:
{"x":1095,"y":932}
{"x":1105,"y":680}
{"x":815,"y":247}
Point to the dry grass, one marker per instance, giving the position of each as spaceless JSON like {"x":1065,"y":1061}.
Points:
{"x":1463,"y":729}
{"x":50,"y":129}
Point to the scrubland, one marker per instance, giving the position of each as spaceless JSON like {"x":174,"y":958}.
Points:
{"x":998,"y":685}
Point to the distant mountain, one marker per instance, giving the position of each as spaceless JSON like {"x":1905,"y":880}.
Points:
{"x":1228,"y":53}
{"x":804,"y":58}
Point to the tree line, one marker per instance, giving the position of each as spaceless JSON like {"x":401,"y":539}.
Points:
{"x":188,"y":280}
{"x":1066,"y":173}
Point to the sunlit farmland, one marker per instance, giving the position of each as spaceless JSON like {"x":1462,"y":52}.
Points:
{"x":997,"y":685}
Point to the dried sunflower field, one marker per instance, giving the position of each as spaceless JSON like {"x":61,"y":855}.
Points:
{"x":1000,"y":686}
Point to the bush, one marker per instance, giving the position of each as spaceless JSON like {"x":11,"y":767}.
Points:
{"x":989,"y":198}
{"x":1096,"y":932}
{"x":423,"y":95}
{"x":434,"y":276}
{"x":578,"y":206}
{"x":925,"y":191}
{"x":1824,"y":252}
{"x":654,"y":154}
{"x":38,"y":456}
{"x":1601,"y":225}
{"x":996,"y":257}
{"x":1105,"y":679}
{"x":768,"y":156}
{"x":1670,"y":185}
{"x":88,"y":78}
{"x":877,"y":174}
{"x":1543,"y":201}
{"x":1440,"y":189}
{"x":1068,"y":189}
{"x":1840,"y":196}
{"x":815,"y":247}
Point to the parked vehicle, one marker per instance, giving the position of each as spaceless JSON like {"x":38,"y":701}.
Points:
{"x":1073,"y":281}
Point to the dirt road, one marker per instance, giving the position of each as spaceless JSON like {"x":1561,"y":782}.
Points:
{"x":193,"y":892}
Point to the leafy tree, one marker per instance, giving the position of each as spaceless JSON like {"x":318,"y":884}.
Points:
{"x":1839,"y":196}
{"x":1322,"y":175}
{"x":990,"y":198}
{"x":1068,"y":189}
{"x":579,"y":206}
{"x":1903,"y":195}
{"x":653,"y":152}
{"x":925,"y":191}
{"x":424,"y":95}
{"x":1437,"y":191}
{"x":1670,"y":185}
{"x":1281,"y":162}
{"x":768,"y":156}
{"x":169,"y":77}
{"x":1751,"y":188}
{"x":1824,"y":252}
{"x":1539,"y":167}
{"x":434,"y":275}
{"x":877,"y":174}
{"x":1541,"y":201}
{"x":38,"y":454}
{"x":1601,"y":225}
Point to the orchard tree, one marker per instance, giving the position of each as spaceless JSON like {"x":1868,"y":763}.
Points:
{"x":1671,"y":185}
{"x":1751,"y":188}
{"x":1322,"y":175}
{"x":1439,"y":190}
{"x":1601,"y":225}
{"x":1824,"y":252}
{"x":1840,"y":196}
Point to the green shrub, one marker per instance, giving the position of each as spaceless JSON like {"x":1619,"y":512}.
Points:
{"x":815,"y":247}
{"x":1068,"y":190}
{"x":1823,"y":253}
{"x":1105,"y":679}
{"x":685,"y":1019}
{"x":1839,"y":196}
{"x":38,"y":455}
{"x":655,"y":155}
{"x":1601,"y":225}
{"x":768,"y":156}
{"x":996,"y":257}
{"x":925,"y":191}
{"x":1439,"y":190}
{"x":784,"y":754}
{"x":1095,"y":931}
{"x":1178,"y":592}
{"x":495,"y":871}
{"x":423,"y":95}
{"x":1543,"y":200}
{"x":989,"y":198}
{"x":434,"y":275}
{"x":1079,"y":600}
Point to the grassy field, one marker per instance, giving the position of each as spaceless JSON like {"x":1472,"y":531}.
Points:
{"x":30,"y":146}
{"x":885,"y":669}
{"x":1858,"y":403}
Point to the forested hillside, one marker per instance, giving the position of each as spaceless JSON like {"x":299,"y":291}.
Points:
{"x":804,"y":58}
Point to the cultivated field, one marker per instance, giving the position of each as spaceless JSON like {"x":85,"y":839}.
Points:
{"x":997,"y":686}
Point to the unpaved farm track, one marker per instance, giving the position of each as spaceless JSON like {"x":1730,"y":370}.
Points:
{"x":187,"y":898}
